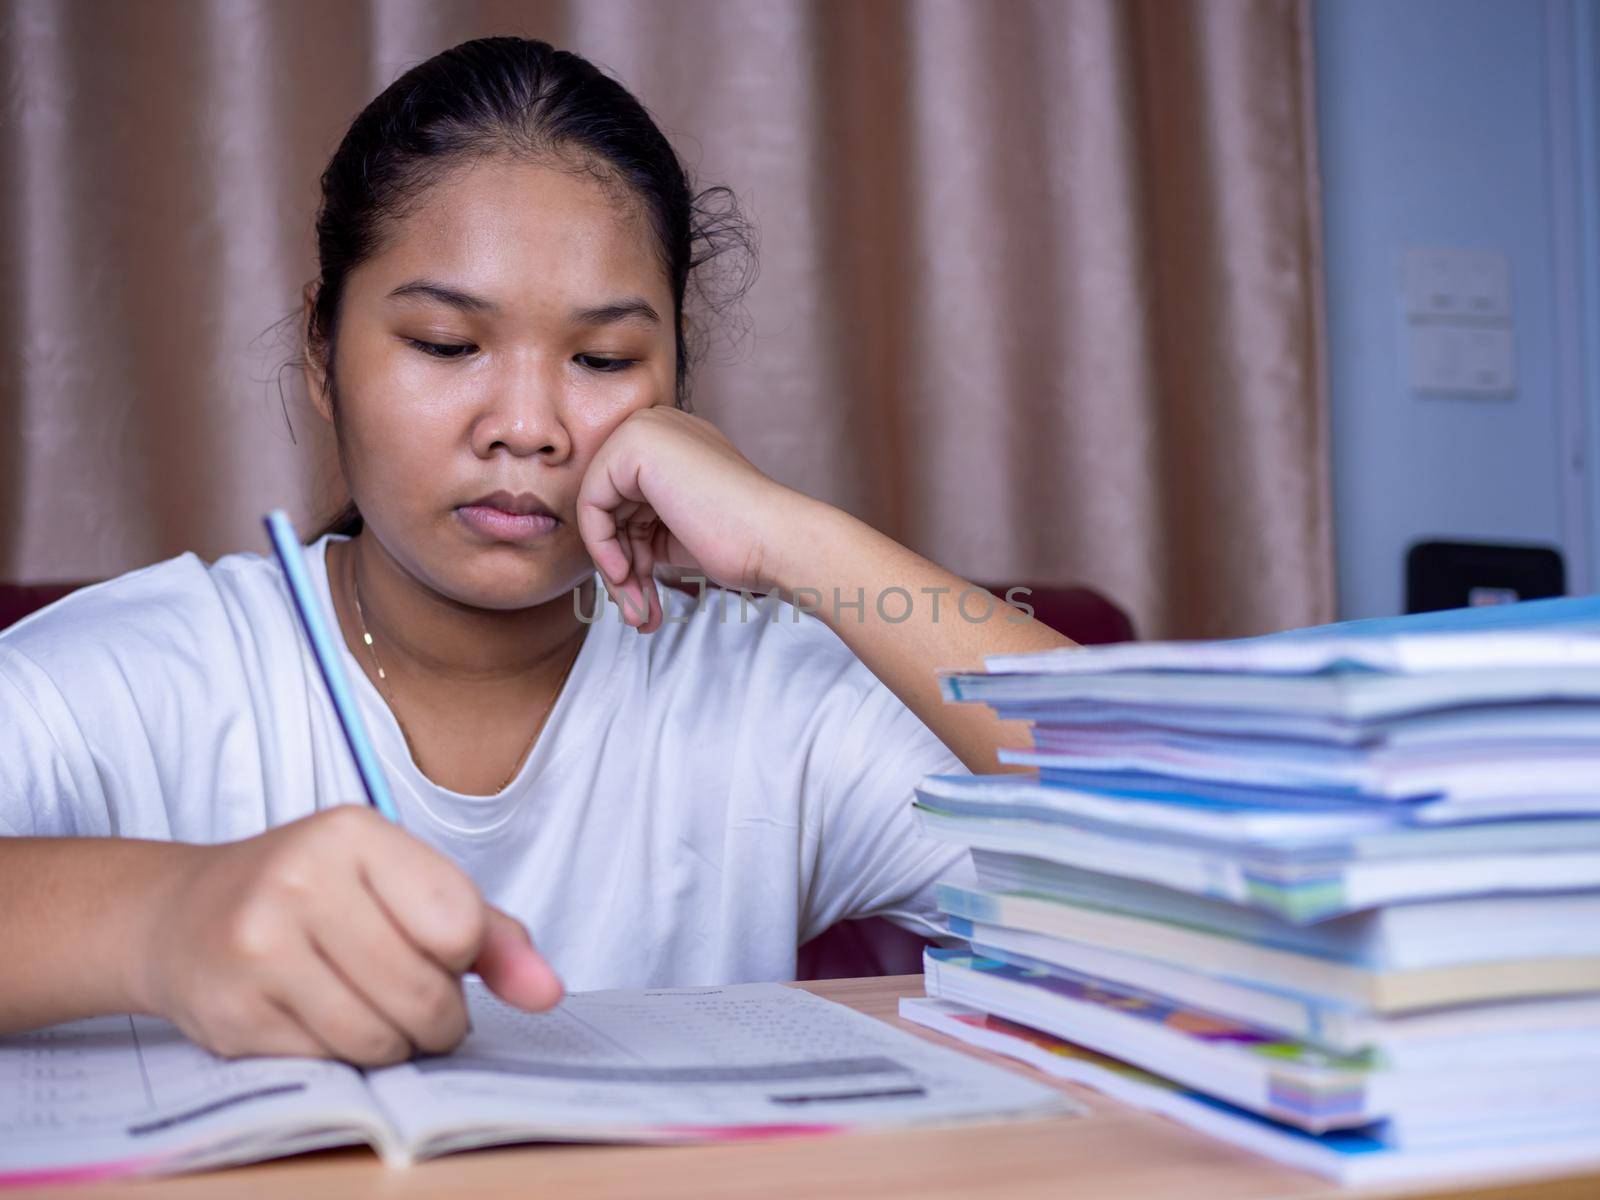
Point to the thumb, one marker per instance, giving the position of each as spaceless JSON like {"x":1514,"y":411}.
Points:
{"x":512,"y":968}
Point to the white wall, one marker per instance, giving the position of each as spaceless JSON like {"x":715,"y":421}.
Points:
{"x":1458,"y":123}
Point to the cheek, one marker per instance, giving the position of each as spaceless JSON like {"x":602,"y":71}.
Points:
{"x":404,"y":451}
{"x":389,"y":433}
{"x":391,"y":426}
{"x":596,"y":416}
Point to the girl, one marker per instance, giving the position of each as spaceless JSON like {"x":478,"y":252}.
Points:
{"x":679,"y":792}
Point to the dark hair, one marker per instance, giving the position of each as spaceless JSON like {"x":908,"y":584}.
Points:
{"x":511,"y":95}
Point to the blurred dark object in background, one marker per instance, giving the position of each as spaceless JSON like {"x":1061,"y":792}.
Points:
{"x":1441,"y":575}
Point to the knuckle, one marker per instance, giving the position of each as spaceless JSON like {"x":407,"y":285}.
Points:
{"x":449,"y":1034}
{"x":338,"y":828}
{"x":459,"y":939}
{"x":441,"y":1015}
{"x":291,"y":877}
{"x":456,"y":920}
{"x":342,"y":820}
{"x":335,"y":829}
{"x":255,"y":935}
{"x":431,"y":999}
{"x":380,"y":1047}
{"x":361,"y":1037}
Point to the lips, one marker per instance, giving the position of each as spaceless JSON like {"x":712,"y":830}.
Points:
{"x":502,"y":516}
{"x":519,"y":504}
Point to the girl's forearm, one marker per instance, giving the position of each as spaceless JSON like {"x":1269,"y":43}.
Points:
{"x":73,"y":920}
{"x":906,"y":618}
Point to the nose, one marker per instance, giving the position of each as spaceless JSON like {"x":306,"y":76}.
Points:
{"x":522,"y":416}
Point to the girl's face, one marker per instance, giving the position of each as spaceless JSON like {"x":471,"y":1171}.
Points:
{"x":509,"y":322}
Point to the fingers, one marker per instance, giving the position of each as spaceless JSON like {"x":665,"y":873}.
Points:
{"x":339,"y":936}
{"x":432,"y":901}
{"x":630,"y":593}
{"x":628,"y":538}
{"x":513,"y":969}
{"x":433,"y":909}
{"x":411,"y":990}
{"x":601,"y":512}
{"x":250,"y":1025}
{"x":325,"y":1005}
{"x":615,"y":520}
{"x":641,"y":553}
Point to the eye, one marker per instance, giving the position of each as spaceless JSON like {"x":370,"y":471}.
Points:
{"x":605,"y":366}
{"x":443,"y":349}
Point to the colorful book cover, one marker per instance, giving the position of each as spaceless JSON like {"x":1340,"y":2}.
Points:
{"x":1245,"y":1065}
{"x":1367,"y":1154}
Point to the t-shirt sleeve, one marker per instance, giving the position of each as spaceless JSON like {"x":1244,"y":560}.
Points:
{"x":873,"y":859}
{"x":48,"y":783}
{"x":126,"y":710}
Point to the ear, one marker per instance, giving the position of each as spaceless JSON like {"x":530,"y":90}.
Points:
{"x":315,"y":370}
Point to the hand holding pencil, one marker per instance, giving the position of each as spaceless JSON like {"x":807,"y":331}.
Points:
{"x":339,"y":935}
{"x":335,"y":936}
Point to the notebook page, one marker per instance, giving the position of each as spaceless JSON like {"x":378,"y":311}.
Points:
{"x":131,"y":1095}
{"x":687,"y":1064}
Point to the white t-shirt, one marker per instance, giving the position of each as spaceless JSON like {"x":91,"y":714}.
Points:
{"x":702,"y":799}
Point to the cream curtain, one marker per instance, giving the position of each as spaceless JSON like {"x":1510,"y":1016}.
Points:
{"x":1038,"y":286}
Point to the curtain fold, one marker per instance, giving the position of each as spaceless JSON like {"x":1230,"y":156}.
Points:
{"x":1038,"y":294}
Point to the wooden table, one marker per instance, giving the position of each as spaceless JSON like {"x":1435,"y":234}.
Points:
{"x":1114,"y":1151}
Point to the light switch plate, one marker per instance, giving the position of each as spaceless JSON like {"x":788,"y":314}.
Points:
{"x":1489,"y":361}
{"x":1446,"y":283}
{"x":1461,"y":360}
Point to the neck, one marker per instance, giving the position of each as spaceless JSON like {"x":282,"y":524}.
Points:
{"x":422,"y":634}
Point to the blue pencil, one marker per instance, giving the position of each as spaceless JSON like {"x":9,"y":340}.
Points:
{"x":293,"y":559}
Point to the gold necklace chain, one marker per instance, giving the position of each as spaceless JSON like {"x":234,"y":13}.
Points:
{"x":388,"y":694}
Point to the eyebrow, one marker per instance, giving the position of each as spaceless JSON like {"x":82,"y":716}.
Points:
{"x":427,"y":289}
{"x":628,"y":308}
{"x":631,"y":308}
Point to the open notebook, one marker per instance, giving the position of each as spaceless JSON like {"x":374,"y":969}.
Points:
{"x":130,"y":1095}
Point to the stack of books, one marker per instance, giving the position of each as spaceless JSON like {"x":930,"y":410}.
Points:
{"x":1332,"y":894}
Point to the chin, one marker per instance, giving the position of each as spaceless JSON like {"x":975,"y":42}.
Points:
{"x":514,"y":582}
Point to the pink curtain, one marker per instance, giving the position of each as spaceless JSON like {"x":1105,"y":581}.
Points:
{"x":1038,"y":288}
